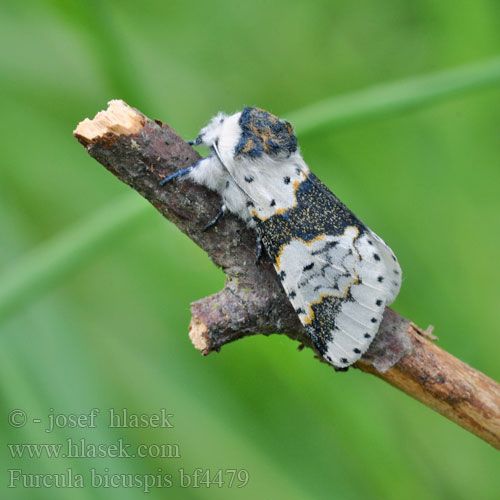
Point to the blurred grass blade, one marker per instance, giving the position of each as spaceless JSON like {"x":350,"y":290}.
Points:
{"x":396,"y":97}
{"x":94,"y":21}
{"x":57,"y":258}
{"x":63,"y":254}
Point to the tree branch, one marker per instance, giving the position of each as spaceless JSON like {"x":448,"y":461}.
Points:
{"x":141,"y":152}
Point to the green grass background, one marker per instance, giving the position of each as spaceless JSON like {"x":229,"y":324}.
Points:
{"x":95,"y":286}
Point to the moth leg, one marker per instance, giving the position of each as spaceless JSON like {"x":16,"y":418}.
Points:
{"x":180,"y":173}
{"x":337,"y":369}
{"x":259,"y":249}
{"x":214,"y":221}
{"x":196,"y":142}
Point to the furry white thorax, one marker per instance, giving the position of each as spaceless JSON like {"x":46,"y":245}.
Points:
{"x":229,"y":175}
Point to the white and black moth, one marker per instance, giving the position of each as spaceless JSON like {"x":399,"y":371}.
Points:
{"x":338,"y":274}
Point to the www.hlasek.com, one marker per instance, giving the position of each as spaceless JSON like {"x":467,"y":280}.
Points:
{"x":81,"y":448}
{"x":198,"y":478}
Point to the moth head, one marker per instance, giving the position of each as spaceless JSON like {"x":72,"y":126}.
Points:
{"x":211,"y":133}
{"x":249,"y":134}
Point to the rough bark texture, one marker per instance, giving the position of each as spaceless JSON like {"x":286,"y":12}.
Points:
{"x":141,"y":152}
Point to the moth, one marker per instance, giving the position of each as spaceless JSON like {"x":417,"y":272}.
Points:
{"x":337,"y":273}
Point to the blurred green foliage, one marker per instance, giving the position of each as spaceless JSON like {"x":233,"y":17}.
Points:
{"x":112,"y":333}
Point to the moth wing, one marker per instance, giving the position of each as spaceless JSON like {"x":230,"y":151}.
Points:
{"x":372,"y":249}
{"x":391,"y":282}
{"x":338,"y":275}
{"x":333,"y":285}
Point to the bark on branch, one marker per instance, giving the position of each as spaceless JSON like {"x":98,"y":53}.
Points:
{"x":141,"y":152}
